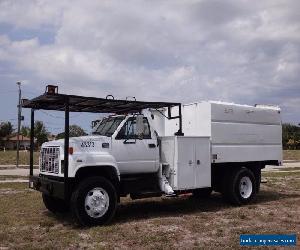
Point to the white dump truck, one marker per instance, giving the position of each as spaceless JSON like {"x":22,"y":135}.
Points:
{"x":147,"y":149}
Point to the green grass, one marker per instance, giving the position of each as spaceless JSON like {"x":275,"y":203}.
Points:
{"x":288,"y":169}
{"x":279,"y":174}
{"x":158,"y":223}
{"x":13,"y":186}
{"x":291,"y":155}
{"x":282,"y":180}
{"x":9,"y":157}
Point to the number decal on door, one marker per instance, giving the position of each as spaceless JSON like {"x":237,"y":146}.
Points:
{"x":88,"y":144}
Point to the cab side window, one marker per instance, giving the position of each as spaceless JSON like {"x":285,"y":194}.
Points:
{"x":128,"y":130}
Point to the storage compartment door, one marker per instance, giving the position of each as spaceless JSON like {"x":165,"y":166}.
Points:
{"x":185,"y":163}
{"x":202,"y":162}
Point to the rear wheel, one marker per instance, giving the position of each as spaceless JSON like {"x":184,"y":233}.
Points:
{"x":239,"y":186}
{"x":55,"y":205}
{"x":94,"y":202}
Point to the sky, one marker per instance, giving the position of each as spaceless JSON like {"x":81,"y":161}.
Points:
{"x":241,"y":51}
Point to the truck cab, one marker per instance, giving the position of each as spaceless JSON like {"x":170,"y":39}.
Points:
{"x":114,"y":142}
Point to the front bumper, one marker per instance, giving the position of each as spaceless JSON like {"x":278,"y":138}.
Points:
{"x":49,"y":186}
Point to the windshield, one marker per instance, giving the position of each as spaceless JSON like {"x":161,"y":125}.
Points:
{"x":108,"y":126}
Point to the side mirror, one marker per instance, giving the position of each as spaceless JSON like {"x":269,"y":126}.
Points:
{"x":139,"y":128}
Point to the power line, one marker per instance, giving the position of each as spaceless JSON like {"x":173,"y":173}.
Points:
{"x":53,"y":116}
{"x":55,"y":123}
{"x":58,"y":117}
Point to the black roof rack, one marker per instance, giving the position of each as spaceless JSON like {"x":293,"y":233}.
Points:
{"x":52,"y":100}
{"x":91,"y":104}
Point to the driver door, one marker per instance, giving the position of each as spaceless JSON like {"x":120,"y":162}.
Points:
{"x":133,"y":154}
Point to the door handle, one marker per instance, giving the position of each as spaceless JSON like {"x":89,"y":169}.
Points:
{"x":151,"y":145}
{"x":129,"y":141}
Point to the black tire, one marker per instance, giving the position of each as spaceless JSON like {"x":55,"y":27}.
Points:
{"x":84,"y":189}
{"x":232,"y":189}
{"x":202,"y":193}
{"x":55,"y":205}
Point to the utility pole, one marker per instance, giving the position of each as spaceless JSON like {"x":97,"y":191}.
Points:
{"x":19,"y":122}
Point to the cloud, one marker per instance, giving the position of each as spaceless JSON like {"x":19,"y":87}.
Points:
{"x":241,"y":51}
{"x":31,"y":14}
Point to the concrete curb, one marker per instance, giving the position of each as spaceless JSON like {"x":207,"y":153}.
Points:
{"x":4,"y":167}
{"x":14,"y":181}
{"x":291,"y":161}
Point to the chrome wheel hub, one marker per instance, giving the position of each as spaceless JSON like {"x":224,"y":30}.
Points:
{"x":96,"y":202}
{"x":245,"y":187}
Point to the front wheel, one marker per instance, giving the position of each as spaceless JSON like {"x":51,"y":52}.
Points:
{"x":94,"y":202}
{"x":239,"y":186}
